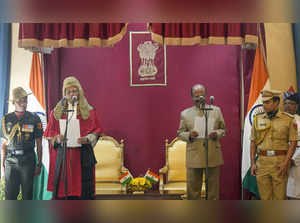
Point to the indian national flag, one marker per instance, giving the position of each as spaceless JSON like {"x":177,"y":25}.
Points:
{"x":125,"y":178}
{"x":36,"y":104}
{"x":152,"y":177}
{"x":259,"y":81}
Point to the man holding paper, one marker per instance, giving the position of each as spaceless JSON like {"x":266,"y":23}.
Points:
{"x":192,"y":130}
{"x":72,"y":173}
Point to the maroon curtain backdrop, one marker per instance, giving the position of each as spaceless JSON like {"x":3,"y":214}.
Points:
{"x":145,"y":116}
{"x":204,"y":33}
{"x":70,"y":34}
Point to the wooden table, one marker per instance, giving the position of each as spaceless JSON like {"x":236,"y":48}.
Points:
{"x":152,"y":195}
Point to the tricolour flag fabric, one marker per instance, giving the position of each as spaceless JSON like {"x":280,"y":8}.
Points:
{"x":152,"y":177}
{"x":125,"y":178}
{"x":259,"y":81}
{"x":36,"y":104}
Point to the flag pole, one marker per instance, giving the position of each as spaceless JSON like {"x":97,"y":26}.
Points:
{"x":242,"y":103}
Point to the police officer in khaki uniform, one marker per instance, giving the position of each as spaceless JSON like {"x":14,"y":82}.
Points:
{"x":195,"y":154}
{"x":20,"y":130}
{"x":273,"y":138}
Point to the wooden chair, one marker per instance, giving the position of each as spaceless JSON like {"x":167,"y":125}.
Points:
{"x":173,"y":174}
{"x":174,"y":170}
{"x":110,"y":165}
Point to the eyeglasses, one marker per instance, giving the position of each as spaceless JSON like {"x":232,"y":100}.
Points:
{"x":75,"y":91}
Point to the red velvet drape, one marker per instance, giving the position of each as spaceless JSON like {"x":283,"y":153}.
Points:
{"x":184,"y":34}
{"x":70,"y":34}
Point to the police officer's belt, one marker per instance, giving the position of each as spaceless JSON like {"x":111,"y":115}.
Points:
{"x":272,"y":152}
{"x":17,"y":152}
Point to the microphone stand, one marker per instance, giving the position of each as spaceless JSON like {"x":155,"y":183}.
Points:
{"x":205,"y":111}
{"x":64,"y":158}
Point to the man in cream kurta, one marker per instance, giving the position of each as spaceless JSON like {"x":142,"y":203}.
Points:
{"x":195,"y":155}
{"x":291,"y":104}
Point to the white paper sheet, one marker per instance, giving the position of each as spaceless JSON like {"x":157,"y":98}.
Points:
{"x":73,"y":131}
{"x":199,"y":126}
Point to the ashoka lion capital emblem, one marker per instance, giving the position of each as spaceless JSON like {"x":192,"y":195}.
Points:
{"x":147,"y":51}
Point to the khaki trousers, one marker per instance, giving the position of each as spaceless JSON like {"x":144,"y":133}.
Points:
{"x":270,"y":185}
{"x":195,"y":179}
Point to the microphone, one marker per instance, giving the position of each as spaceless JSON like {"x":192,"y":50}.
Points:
{"x":212,"y":100}
{"x":202,"y":99}
{"x":62,"y":101}
{"x":74,"y":98}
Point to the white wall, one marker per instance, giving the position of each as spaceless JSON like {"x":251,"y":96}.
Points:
{"x":20,"y":65}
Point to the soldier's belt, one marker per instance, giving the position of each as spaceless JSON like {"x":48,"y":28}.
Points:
{"x":17,"y":152}
{"x":272,"y":152}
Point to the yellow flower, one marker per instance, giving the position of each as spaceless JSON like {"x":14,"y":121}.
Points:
{"x":139,"y":184}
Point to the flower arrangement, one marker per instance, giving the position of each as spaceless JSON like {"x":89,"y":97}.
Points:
{"x":139,"y":184}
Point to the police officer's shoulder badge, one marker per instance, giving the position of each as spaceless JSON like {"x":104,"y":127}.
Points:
{"x":295,"y":125}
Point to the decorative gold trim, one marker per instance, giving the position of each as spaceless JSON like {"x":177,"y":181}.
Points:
{"x":235,"y":40}
{"x":91,"y":42}
{"x":177,"y":41}
{"x":13,"y":131}
{"x":198,"y":40}
{"x":173,"y":142}
{"x":251,"y":39}
{"x":212,"y":40}
{"x":117,"y":145}
{"x":109,"y":138}
{"x":3,"y":126}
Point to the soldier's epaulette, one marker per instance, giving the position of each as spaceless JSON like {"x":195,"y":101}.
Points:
{"x":288,"y":114}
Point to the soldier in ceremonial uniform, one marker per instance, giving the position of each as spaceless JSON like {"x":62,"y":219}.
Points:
{"x":20,"y":132}
{"x":273,"y":138}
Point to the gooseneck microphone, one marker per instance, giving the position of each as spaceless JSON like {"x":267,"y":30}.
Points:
{"x":74,"y":98}
{"x":202,"y":101}
{"x":212,"y":100}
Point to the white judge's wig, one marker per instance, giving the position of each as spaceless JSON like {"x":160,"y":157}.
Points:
{"x":83,"y":106}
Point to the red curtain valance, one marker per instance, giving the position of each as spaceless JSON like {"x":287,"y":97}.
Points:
{"x":186,"y":34}
{"x":70,"y":34}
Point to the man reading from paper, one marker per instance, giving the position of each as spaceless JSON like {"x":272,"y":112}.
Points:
{"x":72,"y":174}
{"x":192,"y":130}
